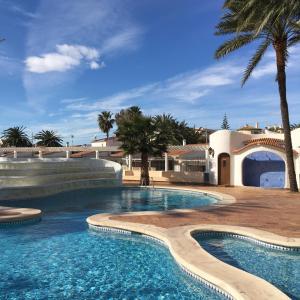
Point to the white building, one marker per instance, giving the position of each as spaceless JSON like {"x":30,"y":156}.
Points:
{"x":110,"y":142}
{"x":241,"y":158}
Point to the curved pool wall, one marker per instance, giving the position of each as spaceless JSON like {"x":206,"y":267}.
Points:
{"x":61,"y":256}
{"x":117,"y":200}
{"x":277,"y":264}
{"x":39,"y":177}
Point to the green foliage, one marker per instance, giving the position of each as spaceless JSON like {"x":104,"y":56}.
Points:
{"x":106,"y":122}
{"x":177,"y":131}
{"x":139,"y":134}
{"x":16,"y":137}
{"x":127,"y":114}
{"x":272,"y":22}
{"x":48,"y":138}
{"x":225,"y":124}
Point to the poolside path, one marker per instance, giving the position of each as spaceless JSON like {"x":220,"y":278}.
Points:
{"x":276,"y":211}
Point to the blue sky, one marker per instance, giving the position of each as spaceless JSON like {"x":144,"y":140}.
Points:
{"x":63,"y":62}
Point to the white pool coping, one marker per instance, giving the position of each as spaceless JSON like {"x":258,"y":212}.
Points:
{"x":228,"y":280}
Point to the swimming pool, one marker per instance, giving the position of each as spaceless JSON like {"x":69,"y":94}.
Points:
{"x":281,"y":268}
{"x":59,"y":258}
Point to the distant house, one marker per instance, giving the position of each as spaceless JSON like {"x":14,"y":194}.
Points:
{"x":205,"y":133}
{"x":104,"y":142}
{"x":248,"y":129}
{"x":275,"y":128}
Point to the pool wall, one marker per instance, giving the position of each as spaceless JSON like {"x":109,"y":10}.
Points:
{"x":230,"y":281}
{"x":42,"y":177}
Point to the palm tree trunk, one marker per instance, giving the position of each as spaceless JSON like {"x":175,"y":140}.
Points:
{"x":144,"y":180}
{"x":280,"y":49}
{"x":107,"y":136}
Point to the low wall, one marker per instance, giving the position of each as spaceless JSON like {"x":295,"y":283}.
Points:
{"x":166,"y":176}
{"x":27,"y":178}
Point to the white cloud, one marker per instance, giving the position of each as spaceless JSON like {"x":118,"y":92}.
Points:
{"x":66,"y":58}
{"x":266,"y":69}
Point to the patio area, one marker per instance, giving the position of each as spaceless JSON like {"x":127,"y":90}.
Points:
{"x":273,"y":210}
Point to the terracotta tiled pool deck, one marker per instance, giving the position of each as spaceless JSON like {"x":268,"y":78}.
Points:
{"x":276,"y":211}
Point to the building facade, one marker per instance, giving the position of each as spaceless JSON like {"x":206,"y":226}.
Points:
{"x":240,"y":158}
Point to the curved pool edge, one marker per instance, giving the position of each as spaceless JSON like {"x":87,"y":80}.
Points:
{"x":14,"y":215}
{"x":228,"y":280}
{"x":223,"y":199}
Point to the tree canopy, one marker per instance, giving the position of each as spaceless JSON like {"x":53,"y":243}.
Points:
{"x":106,"y":122}
{"x":16,"y":137}
{"x":225,"y":123}
{"x":48,"y":138}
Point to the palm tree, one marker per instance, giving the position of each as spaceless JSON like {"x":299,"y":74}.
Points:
{"x":16,"y":137}
{"x":177,"y":131}
{"x":139,"y":135}
{"x":127,"y":114}
{"x":48,"y":138}
{"x":275,"y":24}
{"x":106,"y":122}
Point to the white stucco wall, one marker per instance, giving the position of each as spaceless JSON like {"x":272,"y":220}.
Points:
{"x":226,"y":141}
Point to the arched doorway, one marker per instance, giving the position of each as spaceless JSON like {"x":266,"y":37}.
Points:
{"x":224,"y":169}
{"x":264,"y":169}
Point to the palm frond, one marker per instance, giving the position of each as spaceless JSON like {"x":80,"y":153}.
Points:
{"x":255,"y":60}
{"x":233,"y":44}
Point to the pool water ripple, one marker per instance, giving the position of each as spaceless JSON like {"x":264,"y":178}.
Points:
{"x":281,"y":268}
{"x":60,"y":258}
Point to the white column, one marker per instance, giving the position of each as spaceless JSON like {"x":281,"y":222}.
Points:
{"x":97,"y":154}
{"x":130,"y":162}
{"x":207,"y":161}
{"x":15,"y":154}
{"x":68,"y":153}
{"x":166,"y":162}
{"x":40,"y":154}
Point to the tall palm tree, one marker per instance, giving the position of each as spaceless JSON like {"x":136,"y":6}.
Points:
{"x":48,"y":138}
{"x":275,"y":24}
{"x":106,"y":122}
{"x":16,"y":137}
{"x":139,"y":135}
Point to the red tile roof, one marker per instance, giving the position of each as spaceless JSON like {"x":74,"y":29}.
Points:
{"x":278,"y":144}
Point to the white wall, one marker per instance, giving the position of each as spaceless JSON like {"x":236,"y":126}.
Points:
{"x":226,"y":141}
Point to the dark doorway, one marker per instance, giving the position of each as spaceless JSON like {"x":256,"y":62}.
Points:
{"x":224,"y":169}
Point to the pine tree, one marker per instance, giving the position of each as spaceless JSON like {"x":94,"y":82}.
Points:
{"x":225,"y":124}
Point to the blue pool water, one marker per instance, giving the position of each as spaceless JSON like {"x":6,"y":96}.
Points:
{"x":60,"y":258}
{"x":281,"y":268}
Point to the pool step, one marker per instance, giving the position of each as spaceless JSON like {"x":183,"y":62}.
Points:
{"x":31,"y":177}
{"x":13,"y":181}
{"x":50,"y":171}
{"x":28,"y":192}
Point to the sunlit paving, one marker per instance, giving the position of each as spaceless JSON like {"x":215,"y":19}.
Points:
{"x":149,"y":149}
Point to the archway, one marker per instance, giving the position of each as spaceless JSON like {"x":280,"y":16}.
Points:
{"x":264,"y":169}
{"x":224,"y":169}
